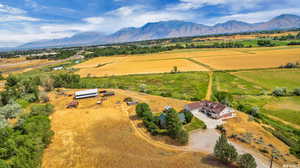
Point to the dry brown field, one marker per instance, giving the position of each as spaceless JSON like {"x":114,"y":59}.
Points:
{"x":251,"y":58}
{"x":241,"y":125}
{"x":107,"y":136}
{"x":220,"y":59}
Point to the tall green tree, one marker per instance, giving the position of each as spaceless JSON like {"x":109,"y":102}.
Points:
{"x":225,"y":151}
{"x":173,"y":123}
{"x":247,"y":161}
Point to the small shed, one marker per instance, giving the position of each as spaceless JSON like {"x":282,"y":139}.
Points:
{"x":86,"y":93}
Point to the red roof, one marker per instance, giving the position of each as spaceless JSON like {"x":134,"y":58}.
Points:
{"x":208,"y":105}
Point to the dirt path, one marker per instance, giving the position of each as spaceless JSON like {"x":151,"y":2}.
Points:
{"x":209,"y":88}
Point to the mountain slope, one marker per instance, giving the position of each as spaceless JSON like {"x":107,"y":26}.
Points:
{"x":167,"y":29}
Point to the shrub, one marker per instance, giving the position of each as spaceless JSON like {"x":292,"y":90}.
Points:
{"x":151,"y":127}
{"x":182,"y":137}
{"x":296,"y":92}
{"x":279,"y":92}
{"x":3,"y":122}
{"x":247,"y":161}
{"x":41,"y":109}
{"x":10,"y":110}
{"x":295,"y":150}
{"x":47,"y":83}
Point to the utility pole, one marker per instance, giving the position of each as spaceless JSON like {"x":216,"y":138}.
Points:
{"x":272,"y":158}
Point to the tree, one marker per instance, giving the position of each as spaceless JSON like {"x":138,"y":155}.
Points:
{"x":188,"y":116}
{"x":141,"y":108}
{"x":224,"y":98}
{"x":182,"y":137}
{"x":225,"y":151}
{"x":298,"y":36}
{"x":3,"y":122}
{"x":11,"y":80}
{"x":173,"y":123}
{"x":279,"y":92}
{"x":47,"y":83}
{"x":246,"y":161}
{"x":254,"y":111}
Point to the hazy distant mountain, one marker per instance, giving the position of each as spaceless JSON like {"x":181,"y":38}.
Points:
{"x":168,"y":29}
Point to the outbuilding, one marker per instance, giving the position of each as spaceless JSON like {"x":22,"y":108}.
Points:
{"x":86,"y":93}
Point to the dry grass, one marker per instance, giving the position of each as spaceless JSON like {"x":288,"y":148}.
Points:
{"x":134,"y":65}
{"x":2,"y":84}
{"x":242,"y":125}
{"x":260,"y":58}
{"x":105,"y":136}
{"x":19,"y":65}
{"x":220,"y":59}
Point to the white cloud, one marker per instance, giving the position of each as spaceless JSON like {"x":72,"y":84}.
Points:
{"x":10,"y":10}
{"x":235,"y":5}
{"x":255,"y":17}
{"x":17,"y":18}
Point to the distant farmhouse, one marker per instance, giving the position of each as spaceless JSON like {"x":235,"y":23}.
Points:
{"x":86,"y":93}
{"x":212,"y":109}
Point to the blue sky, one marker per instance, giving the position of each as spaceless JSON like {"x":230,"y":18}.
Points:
{"x":24,"y":21}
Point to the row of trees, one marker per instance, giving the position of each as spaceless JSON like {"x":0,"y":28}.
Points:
{"x":280,"y":92}
{"x":227,"y":153}
{"x":287,"y":37}
{"x":174,"y":127}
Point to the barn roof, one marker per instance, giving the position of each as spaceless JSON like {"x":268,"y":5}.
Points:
{"x":86,"y":92}
{"x":208,"y":105}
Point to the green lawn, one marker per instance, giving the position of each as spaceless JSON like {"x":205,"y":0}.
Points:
{"x":229,"y":83}
{"x":195,"y":124}
{"x":187,"y":86}
{"x":289,"y":78}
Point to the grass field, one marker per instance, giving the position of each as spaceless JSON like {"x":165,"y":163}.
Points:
{"x":229,"y":83}
{"x":186,"y":86}
{"x":107,"y":136}
{"x":285,"y":108}
{"x":273,"y":78}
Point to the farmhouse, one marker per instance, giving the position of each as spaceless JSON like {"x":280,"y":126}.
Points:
{"x":212,"y":109}
{"x":86,"y":93}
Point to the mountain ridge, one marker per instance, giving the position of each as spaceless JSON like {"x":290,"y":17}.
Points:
{"x":167,"y":29}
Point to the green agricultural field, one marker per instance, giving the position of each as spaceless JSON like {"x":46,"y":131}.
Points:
{"x":232,"y":84}
{"x":285,"y":108}
{"x":271,"y":79}
{"x":187,"y":86}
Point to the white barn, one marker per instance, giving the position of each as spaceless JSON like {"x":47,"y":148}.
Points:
{"x":86,"y":93}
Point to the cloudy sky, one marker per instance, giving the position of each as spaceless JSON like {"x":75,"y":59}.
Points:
{"x":23,"y":21}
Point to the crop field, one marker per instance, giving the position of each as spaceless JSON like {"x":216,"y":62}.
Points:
{"x":141,"y":67}
{"x":219,"y":59}
{"x":251,"y":58}
{"x":106,"y":136}
{"x":271,"y":79}
{"x":229,"y":83}
{"x":186,"y":86}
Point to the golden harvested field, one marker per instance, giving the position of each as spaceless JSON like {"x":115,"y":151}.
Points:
{"x":241,"y":125}
{"x":220,"y":59}
{"x":260,"y":58}
{"x":107,"y":136}
{"x":134,"y":66}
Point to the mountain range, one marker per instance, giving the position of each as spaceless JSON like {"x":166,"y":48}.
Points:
{"x":167,"y":29}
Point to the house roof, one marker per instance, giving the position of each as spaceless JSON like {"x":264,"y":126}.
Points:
{"x":86,"y":92}
{"x":207,"y":105}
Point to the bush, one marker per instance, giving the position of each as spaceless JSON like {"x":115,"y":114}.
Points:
{"x":3,"y":122}
{"x":295,"y":150}
{"x":141,"y":108}
{"x":247,"y":161}
{"x":296,"y":92}
{"x":47,"y":83}
{"x":182,"y":137}
{"x":41,"y":109}
{"x":10,"y":110}
{"x":279,"y":92}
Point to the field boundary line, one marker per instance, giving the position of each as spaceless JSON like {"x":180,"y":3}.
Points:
{"x":209,"y":88}
{"x":201,"y":64}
